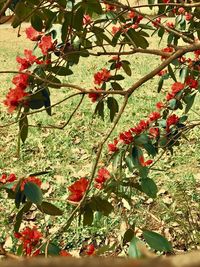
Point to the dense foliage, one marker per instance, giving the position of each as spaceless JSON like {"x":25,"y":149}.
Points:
{"x":96,"y":28}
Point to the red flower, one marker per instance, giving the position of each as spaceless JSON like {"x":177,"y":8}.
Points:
{"x":126,"y":137}
{"x":8,"y":179}
{"x":145,"y":163}
{"x":78,"y":189}
{"x":188,"y":16}
{"x":170,"y":24}
{"x":177,"y":87}
{"x":93,"y":96}
{"x":30,"y":239}
{"x":169,"y":96}
{"x":46,"y":44}
{"x":181,"y":10}
{"x":32,"y":34}
{"x":131,"y":14}
{"x":113,"y":147}
{"x":160,"y":105}
{"x":167,"y":50}
{"x":118,"y":64}
{"x":27,"y":61}
{"x":31,"y":179}
{"x":115,"y":29}
{"x":87,"y":20}
{"x":110,"y":7}
{"x":14,"y":98}
{"x":154,"y":116}
{"x":156,"y":22}
{"x":65,"y":253}
{"x":141,"y":127}
{"x":90,"y":250}
{"x":3,"y":178}
{"x":162,"y":72}
{"x":192,"y":83}
{"x":103,"y":175}
{"x":154,"y":132}
{"x":101,"y":76}
{"x":166,"y":1}
{"x":21,"y":80}
{"x":171,"y":120}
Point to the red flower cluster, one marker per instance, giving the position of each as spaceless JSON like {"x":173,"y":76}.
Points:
{"x":154,"y":116}
{"x":112,"y":147}
{"x":140,"y":127}
{"x":176,"y":87}
{"x":145,"y":163}
{"x":154,"y":132}
{"x":30,"y":239}
{"x":14,"y":98}
{"x":46,"y":44}
{"x":31,"y":179}
{"x":78,"y":189}
{"x":171,"y":120}
{"x":126,"y":137}
{"x":94,"y":97}
{"x":160,"y":105}
{"x":102,"y":76}
{"x":28,"y":60}
{"x":103,"y":175}
{"x":115,"y":29}
{"x":32,"y":34}
{"x":191,"y":82}
{"x":167,"y":50}
{"x":7,"y":179}
{"x":45,"y":41}
{"x":90,"y":250}
{"x":156,"y":22}
{"x":87,"y":20}
{"x":118,"y":63}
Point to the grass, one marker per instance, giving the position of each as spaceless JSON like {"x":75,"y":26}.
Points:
{"x":68,"y":154}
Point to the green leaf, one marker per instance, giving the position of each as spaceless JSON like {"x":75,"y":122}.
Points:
{"x":117,"y":77}
{"x":126,"y":68}
{"x":128,"y":236}
{"x":141,"y":139}
{"x":100,"y":109}
{"x":52,"y":249}
{"x":116,"y":86}
{"x":47,"y":102}
{"x":137,"y":38}
{"x":189,"y":100}
{"x":129,"y":163}
{"x":50,"y":209}
{"x":133,"y":251}
{"x":113,"y":106}
{"x":36,"y":22}
{"x":172,"y":104}
{"x":56,"y":82}
{"x":33,"y":193}
{"x":19,"y":216}
{"x":183,"y":74}
{"x":149,"y":187}
{"x":61,"y":71}
{"x":160,"y":84}
{"x":171,"y":73}
{"x":87,"y":215}
{"x":78,"y":19}
{"x":150,"y":148}
{"x":101,"y":205}
{"x":23,"y":127}
{"x":157,"y":241}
